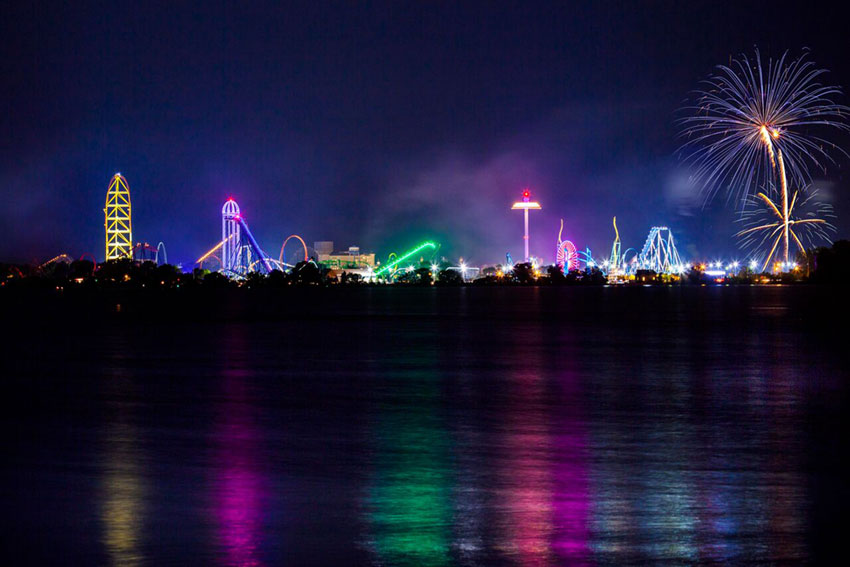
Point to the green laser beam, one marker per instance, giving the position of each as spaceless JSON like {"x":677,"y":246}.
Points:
{"x":401,"y":259}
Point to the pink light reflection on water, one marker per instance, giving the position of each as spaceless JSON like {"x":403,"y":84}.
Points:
{"x":570,"y":477}
{"x":570,"y":500}
{"x":240,"y":485}
{"x":525,"y":507}
{"x":239,"y":511}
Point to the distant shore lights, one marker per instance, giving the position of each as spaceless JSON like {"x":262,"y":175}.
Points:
{"x":525,"y":205}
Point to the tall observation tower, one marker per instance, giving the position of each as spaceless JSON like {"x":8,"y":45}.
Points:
{"x":525,"y":205}
{"x":118,"y":223}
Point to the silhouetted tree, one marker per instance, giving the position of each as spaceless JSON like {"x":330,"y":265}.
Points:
{"x":832,"y":265}
{"x":216,"y":280}
{"x":167,"y":275}
{"x":348,"y":278}
{"x":523,"y":273}
{"x":574,"y":276}
{"x":306,"y":273}
{"x":82,"y":269}
{"x":449,"y":277}
{"x":424,"y":276}
{"x":596,"y":277}
{"x":419,"y":276}
{"x":556,"y":274}
{"x":276,"y":279}
{"x":115,"y":271}
{"x":695,"y":275}
{"x":254,"y":280}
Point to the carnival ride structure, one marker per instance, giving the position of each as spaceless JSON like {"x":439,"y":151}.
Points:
{"x":586,"y":257}
{"x":144,"y":252}
{"x":161,"y":246}
{"x":566,"y":256}
{"x":388,"y":270}
{"x":614,"y":261}
{"x":659,"y":253}
{"x":282,"y":257}
{"x":67,"y":259}
{"x":629,"y":265}
{"x":525,"y":205}
{"x":60,"y":259}
{"x":118,"y":219}
{"x":466,"y":271}
{"x":238,"y":253}
{"x":391,"y":259}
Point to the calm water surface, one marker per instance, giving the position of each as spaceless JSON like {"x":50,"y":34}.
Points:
{"x":429,"y":427}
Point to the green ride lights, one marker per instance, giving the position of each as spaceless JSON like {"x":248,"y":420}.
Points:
{"x":401,"y":259}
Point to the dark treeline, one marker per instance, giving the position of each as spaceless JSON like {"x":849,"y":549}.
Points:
{"x":828,"y":265}
{"x":132,"y":275}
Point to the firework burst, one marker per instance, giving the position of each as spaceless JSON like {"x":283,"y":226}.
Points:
{"x":770,"y":225}
{"x":752,"y":125}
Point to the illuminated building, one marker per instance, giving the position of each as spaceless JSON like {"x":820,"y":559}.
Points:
{"x":118,"y":219}
{"x":525,"y":205}
{"x":349,"y":259}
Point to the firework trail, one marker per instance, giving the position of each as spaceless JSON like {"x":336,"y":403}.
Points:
{"x":752,"y":124}
{"x":768,"y":224}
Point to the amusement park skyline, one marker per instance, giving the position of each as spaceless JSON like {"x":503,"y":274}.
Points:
{"x":379,"y":126}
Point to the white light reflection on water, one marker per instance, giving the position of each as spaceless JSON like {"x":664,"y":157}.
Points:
{"x":124,"y":494}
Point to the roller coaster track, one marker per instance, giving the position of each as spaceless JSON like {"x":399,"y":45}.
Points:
{"x":389,"y":267}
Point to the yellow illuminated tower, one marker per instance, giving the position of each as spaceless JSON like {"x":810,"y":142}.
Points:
{"x":119,"y":228}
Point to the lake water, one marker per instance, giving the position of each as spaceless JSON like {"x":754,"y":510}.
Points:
{"x":425,"y":426}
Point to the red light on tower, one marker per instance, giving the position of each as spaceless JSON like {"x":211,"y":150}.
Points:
{"x":525,"y":205}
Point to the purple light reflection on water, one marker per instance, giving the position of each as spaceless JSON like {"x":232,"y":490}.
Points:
{"x":239,"y":511}
{"x":240,"y":487}
{"x":570,"y":475}
{"x":570,"y":499}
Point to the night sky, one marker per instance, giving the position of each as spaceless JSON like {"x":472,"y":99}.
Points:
{"x":375,"y":124}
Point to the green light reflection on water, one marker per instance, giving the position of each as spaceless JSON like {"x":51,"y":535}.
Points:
{"x":409,"y":498}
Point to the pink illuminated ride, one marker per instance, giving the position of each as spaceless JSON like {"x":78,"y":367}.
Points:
{"x":566,"y":256}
